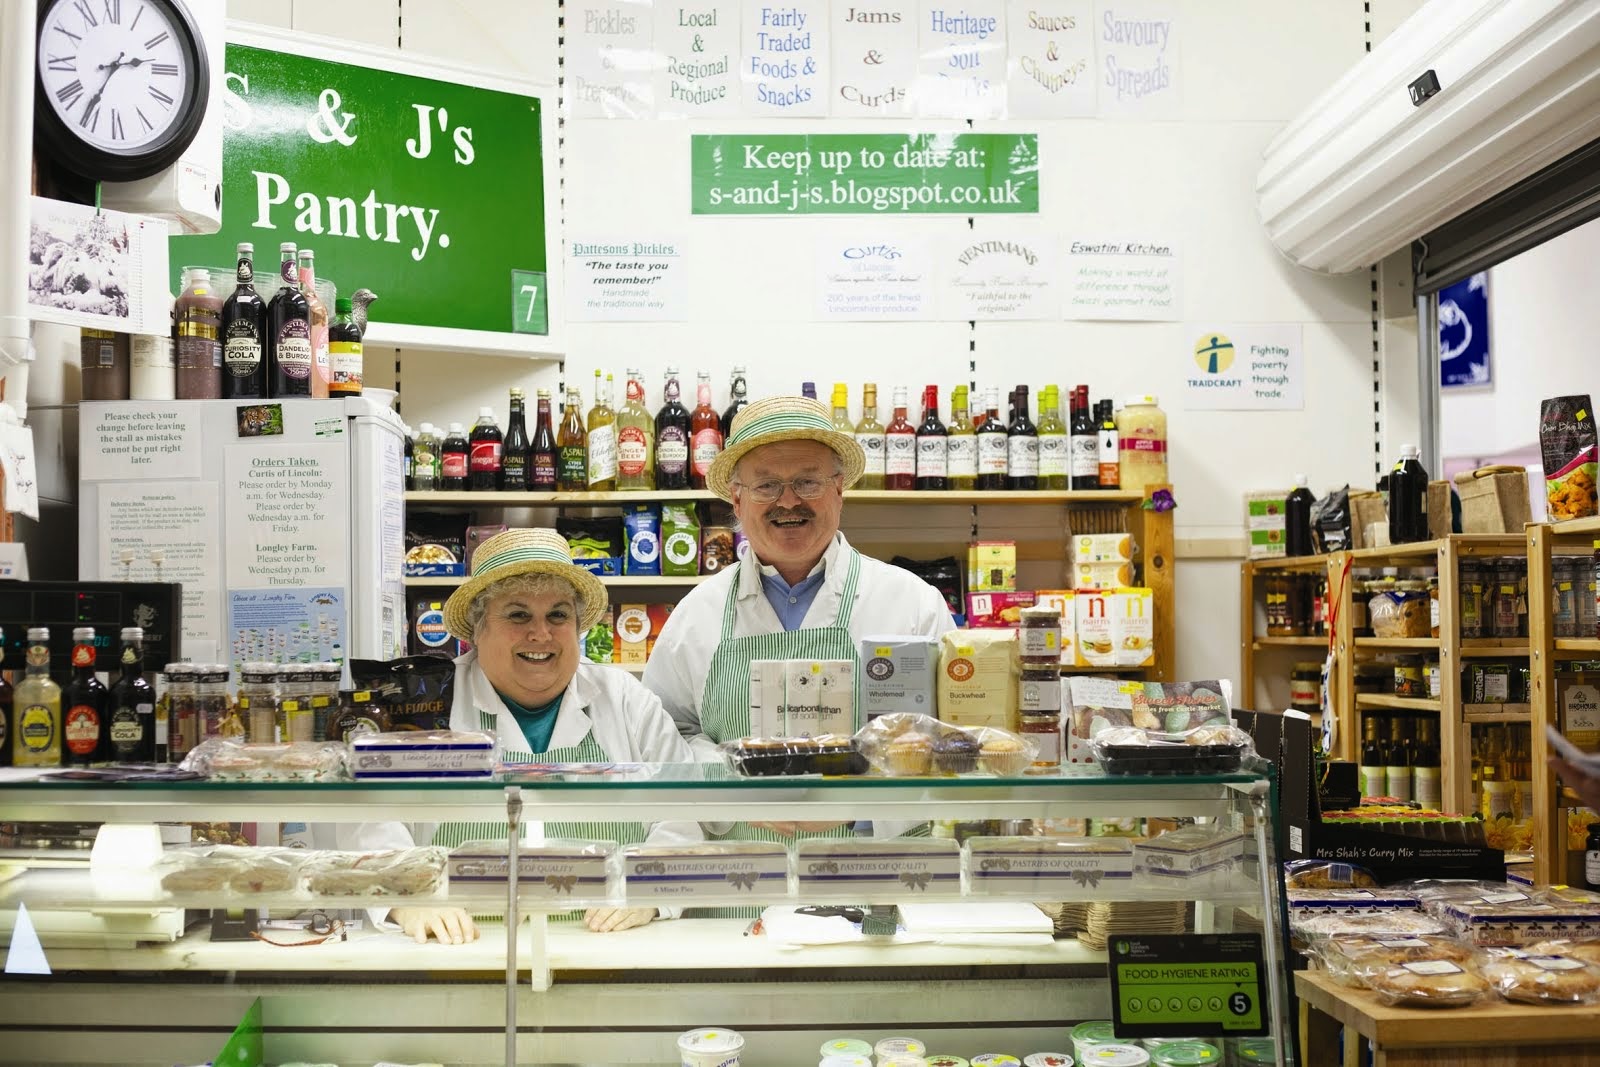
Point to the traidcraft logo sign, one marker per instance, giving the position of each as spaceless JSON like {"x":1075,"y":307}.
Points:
{"x":1245,"y":368}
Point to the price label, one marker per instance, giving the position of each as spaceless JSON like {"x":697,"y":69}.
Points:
{"x":1189,"y":985}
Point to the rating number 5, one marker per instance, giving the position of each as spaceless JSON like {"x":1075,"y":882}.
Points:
{"x":1239,"y":1004}
{"x":533,"y":299}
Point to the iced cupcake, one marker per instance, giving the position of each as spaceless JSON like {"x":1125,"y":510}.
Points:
{"x":955,"y":752}
{"x":1004,"y":756}
{"x":910,"y":755}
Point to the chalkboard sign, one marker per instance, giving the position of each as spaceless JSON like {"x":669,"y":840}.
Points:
{"x":429,"y":184}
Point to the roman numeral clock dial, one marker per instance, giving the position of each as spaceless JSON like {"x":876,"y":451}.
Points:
{"x":121,"y":86}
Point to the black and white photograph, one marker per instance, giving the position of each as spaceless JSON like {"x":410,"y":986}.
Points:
{"x":86,"y":266}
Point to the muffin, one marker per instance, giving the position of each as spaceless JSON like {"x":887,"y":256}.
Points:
{"x":955,"y":752}
{"x":910,"y":755}
{"x":1004,"y":756}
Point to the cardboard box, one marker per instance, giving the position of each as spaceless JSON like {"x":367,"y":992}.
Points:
{"x":1494,"y":500}
{"x":1440,"y":523}
{"x":1100,"y":575}
{"x":1065,"y":602}
{"x":992,"y":567}
{"x":1095,"y":629}
{"x":658,"y":618}
{"x":1264,"y":521}
{"x":1133,"y":630}
{"x":899,"y":674}
{"x":1035,"y":867}
{"x":990,"y":611}
{"x":801,"y":697}
{"x":706,"y":869}
{"x":1100,"y":548}
{"x":833,"y":870}
{"x":633,"y":633}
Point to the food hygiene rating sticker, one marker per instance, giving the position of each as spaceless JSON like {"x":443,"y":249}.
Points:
{"x":1188,"y":985}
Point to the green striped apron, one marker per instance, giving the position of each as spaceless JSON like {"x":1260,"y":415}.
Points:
{"x":451,"y":834}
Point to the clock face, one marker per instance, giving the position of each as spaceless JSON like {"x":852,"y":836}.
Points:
{"x":116,"y":73}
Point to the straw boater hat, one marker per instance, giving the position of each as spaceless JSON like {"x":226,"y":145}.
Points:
{"x":523,"y":551}
{"x":782,"y":418}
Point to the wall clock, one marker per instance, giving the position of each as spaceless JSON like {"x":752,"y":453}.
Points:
{"x":120,"y":87}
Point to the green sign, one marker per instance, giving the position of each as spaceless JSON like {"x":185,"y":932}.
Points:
{"x":1188,"y":985}
{"x":428,"y":192}
{"x":244,"y":1047}
{"x":865,"y":174}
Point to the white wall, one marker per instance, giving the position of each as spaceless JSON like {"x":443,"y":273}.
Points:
{"x":1247,"y":67}
{"x":1542,"y":343}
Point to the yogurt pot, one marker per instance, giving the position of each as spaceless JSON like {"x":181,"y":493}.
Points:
{"x":902,"y":1061}
{"x":898,"y":1046}
{"x":713,"y":1046}
{"x":1115,"y":1056}
{"x":1048,"y":1059}
{"x":947,"y":1061}
{"x":1186,"y":1054}
{"x":1086,"y":1036}
{"x":845,"y":1046}
{"x":846,"y":1061}
{"x":1253,"y":1050}
{"x":995,"y":1059}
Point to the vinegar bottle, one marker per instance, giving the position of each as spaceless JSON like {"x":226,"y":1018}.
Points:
{"x":705,"y":433}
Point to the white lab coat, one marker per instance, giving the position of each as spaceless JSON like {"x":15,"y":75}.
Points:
{"x":889,"y":600}
{"x":627,"y":720}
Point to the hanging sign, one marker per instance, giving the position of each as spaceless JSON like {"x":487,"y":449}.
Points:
{"x":1188,"y":985}
{"x":423,"y":182}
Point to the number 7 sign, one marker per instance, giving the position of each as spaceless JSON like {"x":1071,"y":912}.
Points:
{"x":530,"y":302}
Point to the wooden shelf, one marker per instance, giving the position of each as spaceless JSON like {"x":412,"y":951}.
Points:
{"x":1494,"y":648}
{"x":1417,"y":550}
{"x":864,"y":496}
{"x":1577,"y":644}
{"x":1288,"y":642}
{"x":672,"y":583}
{"x":1383,"y":700}
{"x":1588,"y":528}
{"x":1292,"y":563}
{"x":1396,"y":644}
{"x":1497,"y":712}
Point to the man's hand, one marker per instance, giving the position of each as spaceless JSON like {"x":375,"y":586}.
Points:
{"x":610,"y":920}
{"x":1579,"y":781}
{"x":449,"y":926}
{"x":789,"y":829}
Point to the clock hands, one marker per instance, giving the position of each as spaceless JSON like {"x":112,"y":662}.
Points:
{"x":94,"y":101}
{"x":113,"y":65}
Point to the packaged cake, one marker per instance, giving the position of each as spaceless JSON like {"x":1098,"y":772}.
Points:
{"x":844,"y":868}
{"x":554,"y":870}
{"x":422,"y":754}
{"x":706,"y":869}
{"x":1031,"y":866}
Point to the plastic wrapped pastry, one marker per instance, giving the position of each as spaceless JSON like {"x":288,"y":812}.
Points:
{"x":405,"y":872}
{"x":227,"y":759}
{"x":1428,"y":984}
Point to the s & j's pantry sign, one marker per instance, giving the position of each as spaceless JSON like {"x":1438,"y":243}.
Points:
{"x":425,"y":183}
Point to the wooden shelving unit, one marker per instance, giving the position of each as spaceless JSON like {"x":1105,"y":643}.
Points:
{"x":1383,"y":700}
{"x":1263,"y":657}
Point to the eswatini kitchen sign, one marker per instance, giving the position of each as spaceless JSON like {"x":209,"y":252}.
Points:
{"x":429,"y":184}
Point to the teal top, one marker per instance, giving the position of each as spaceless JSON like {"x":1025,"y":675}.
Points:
{"x":537,"y":723}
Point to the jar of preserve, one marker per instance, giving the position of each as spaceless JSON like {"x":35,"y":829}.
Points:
{"x":1470,"y":600}
{"x":1433,"y":605}
{"x":1374,"y":677}
{"x":1039,"y":690}
{"x":1409,"y":680}
{"x":1301,"y":590}
{"x":1564,"y":596}
{"x":1305,"y":687}
{"x":1435,"y":684}
{"x":1360,"y":622}
{"x":1044,"y":730}
{"x":184,"y":722}
{"x":1505,"y":619}
{"x":1039,"y":637}
{"x":258,"y":702}
{"x":1589,"y":597}
{"x":217,"y":711}
{"x":1278,"y":605}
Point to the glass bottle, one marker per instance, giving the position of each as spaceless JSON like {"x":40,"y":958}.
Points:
{"x":705,"y":432}
{"x":636,"y":438}
{"x":841,"y":409}
{"x":992,"y":447}
{"x":672,"y":437}
{"x":933,"y":444}
{"x":572,"y":471}
{"x":199,"y":312}
{"x":1110,"y":448}
{"x":542,"y":471}
{"x":1373,"y":780}
{"x":1397,"y":763}
{"x":317,"y":315}
{"x":259,"y":701}
{"x":244,"y":333}
{"x":288,"y":332}
{"x":1426,"y":783}
{"x":485,"y":449}
{"x":36,"y":704}
{"x":514,"y":454}
{"x":1085,"y":431}
{"x":808,"y":390}
{"x":1519,"y":767}
{"x":737,"y":403}
{"x":7,"y":699}
{"x":454,"y":462}
{"x":869,"y":435}
{"x":133,"y":704}
{"x":1142,"y":430}
{"x":344,"y":350}
{"x":1022,"y":447}
{"x":1408,"y":498}
{"x":1496,"y":787}
{"x":962,"y":449}
{"x":425,"y":459}
{"x":900,"y":447}
{"x":84,"y":731}
{"x":602,"y":438}
{"x":1055,"y":447}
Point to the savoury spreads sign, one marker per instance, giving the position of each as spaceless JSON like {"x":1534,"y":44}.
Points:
{"x":428,"y":192}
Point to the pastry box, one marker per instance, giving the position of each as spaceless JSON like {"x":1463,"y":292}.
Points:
{"x":760,"y":757}
{"x":1031,"y":865}
{"x":830,"y":869}
{"x":1520,"y":923}
{"x":717,"y":869}
{"x":554,"y":870}
{"x":422,"y":754}
{"x":1193,"y":851}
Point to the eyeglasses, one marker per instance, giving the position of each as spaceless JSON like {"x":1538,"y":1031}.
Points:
{"x":804,"y":488}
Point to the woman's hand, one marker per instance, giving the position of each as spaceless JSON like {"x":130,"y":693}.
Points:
{"x":1579,"y":781}
{"x":610,"y":920}
{"x":449,"y":926}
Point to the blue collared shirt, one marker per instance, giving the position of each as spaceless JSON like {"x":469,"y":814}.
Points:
{"x":538,"y":724}
{"x":791,"y":602}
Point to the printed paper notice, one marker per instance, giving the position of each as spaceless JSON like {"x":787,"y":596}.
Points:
{"x":19,"y":470}
{"x":610,"y":61}
{"x":622,"y":278}
{"x":871,"y":276}
{"x":698,"y":46}
{"x":961,"y":72}
{"x":1244,"y":368}
{"x":1050,"y":72}
{"x":1122,"y":278}
{"x":100,"y":269}
{"x":999,"y":272}
{"x":286,"y":625}
{"x":140,"y":440}
{"x":166,"y":532}
{"x":784,"y":61}
{"x":287,"y":515}
{"x":874,"y":58}
{"x":1137,"y":41}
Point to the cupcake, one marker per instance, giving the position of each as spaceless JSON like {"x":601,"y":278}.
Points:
{"x":955,"y":752}
{"x":910,"y":755}
{"x":1004,"y":756}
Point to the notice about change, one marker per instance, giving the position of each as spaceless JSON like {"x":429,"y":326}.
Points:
{"x":865,"y":174}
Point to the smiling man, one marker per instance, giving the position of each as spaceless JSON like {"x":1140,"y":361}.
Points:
{"x":801,"y":592}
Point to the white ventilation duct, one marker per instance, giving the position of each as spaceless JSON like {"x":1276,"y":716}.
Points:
{"x":18,"y":27}
{"x":1363,"y":171}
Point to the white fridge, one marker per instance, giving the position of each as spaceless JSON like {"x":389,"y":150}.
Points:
{"x":283,"y":520}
